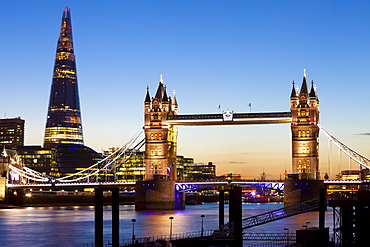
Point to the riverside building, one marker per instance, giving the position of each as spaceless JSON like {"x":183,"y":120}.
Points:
{"x":11,"y":132}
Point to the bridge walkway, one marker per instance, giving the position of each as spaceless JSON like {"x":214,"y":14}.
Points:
{"x":280,"y":213}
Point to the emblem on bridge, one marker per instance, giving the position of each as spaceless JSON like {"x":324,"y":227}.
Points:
{"x":227,"y":115}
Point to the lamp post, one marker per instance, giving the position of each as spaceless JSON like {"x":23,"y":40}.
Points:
{"x":202,"y":229}
{"x":171,"y":218}
{"x":133,"y":230}
{"x":287,"y":236}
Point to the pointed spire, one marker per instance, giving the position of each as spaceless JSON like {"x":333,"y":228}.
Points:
{"x":160,"y":91}
{"x":313,"y":91}
{"x":174,"y":101}
{"x":65,"y":38}
{"x":304,"y":88}
{"x":294,"y":94}
{"x":165,"y":98}
{"x":147,"y":97}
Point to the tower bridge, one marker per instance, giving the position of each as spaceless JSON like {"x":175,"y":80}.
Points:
{"x":161,"y":122}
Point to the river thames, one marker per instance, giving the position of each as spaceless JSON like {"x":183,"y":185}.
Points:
{"x":73,"y":226}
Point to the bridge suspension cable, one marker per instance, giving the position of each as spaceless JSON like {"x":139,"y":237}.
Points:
{"x":29,"y":173}
{"x":351,"y":153}
{"x":16,"y":168}
{"x":108,"y":165}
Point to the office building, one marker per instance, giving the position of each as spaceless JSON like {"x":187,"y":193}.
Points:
{"x":11,"y":132}
{"x":204,"y":171}
{"x":39,"y":159}
{"x":63,"y":124}
{"x":133,"y":168}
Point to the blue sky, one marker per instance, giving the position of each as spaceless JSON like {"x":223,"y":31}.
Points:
{"x":228,"y":53}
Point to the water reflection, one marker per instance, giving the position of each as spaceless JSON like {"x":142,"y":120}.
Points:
{"x":74,"y":225}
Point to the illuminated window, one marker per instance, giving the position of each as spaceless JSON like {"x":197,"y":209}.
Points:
{"x":303,"y":150}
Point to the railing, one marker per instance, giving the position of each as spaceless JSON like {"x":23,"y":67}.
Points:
{"x":176,"y":236}
{"x":269,"y":236}
{"x":226,"y":232}
{"x":275,"y":244}
{"x":291,"y":237}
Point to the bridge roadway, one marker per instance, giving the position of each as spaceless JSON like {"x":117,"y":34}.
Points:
{"x":183,"y":186}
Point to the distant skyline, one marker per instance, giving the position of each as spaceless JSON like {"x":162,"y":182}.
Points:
{"x":213,"y":53}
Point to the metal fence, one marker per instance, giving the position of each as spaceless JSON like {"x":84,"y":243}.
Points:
{"x":175,"y":236}
{"x":275,"y":244}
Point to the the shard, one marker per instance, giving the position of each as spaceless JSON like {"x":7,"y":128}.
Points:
{"x":63,"y":124}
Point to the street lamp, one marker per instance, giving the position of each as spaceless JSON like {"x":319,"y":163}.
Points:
{"x":287,"y":236}
{"x":133,"y":230}
{"x":171,"y":218}
{"x":202,"y":229}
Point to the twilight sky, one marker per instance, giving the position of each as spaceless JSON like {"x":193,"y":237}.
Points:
{"x":228,"y":53}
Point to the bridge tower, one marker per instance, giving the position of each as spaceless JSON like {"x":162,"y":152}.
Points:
{"x":157,"y":191}
{"x":161,"y":138}
{"x":304,"y":183}
{"x":305,"y":132}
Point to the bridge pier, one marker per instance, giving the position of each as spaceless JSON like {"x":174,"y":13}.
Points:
{"x":99,"y":215}
{"x":221,"y":208}
{"x":236,"y":214}
{"x":158,"y":195}
{"x":16,"y":196}
{"x":300,"y":190}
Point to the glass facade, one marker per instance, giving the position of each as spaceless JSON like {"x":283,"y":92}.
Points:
{"x":185,"y":168}
{"x":71,"y":158}
{"x":38,"y":158}
{"x":134,"y":167}
{"x":65,"y":159}
{"x":63,"y":124}
{"x":204,"y":172}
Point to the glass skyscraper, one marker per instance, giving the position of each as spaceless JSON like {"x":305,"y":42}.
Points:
{"x":63,"y":124}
